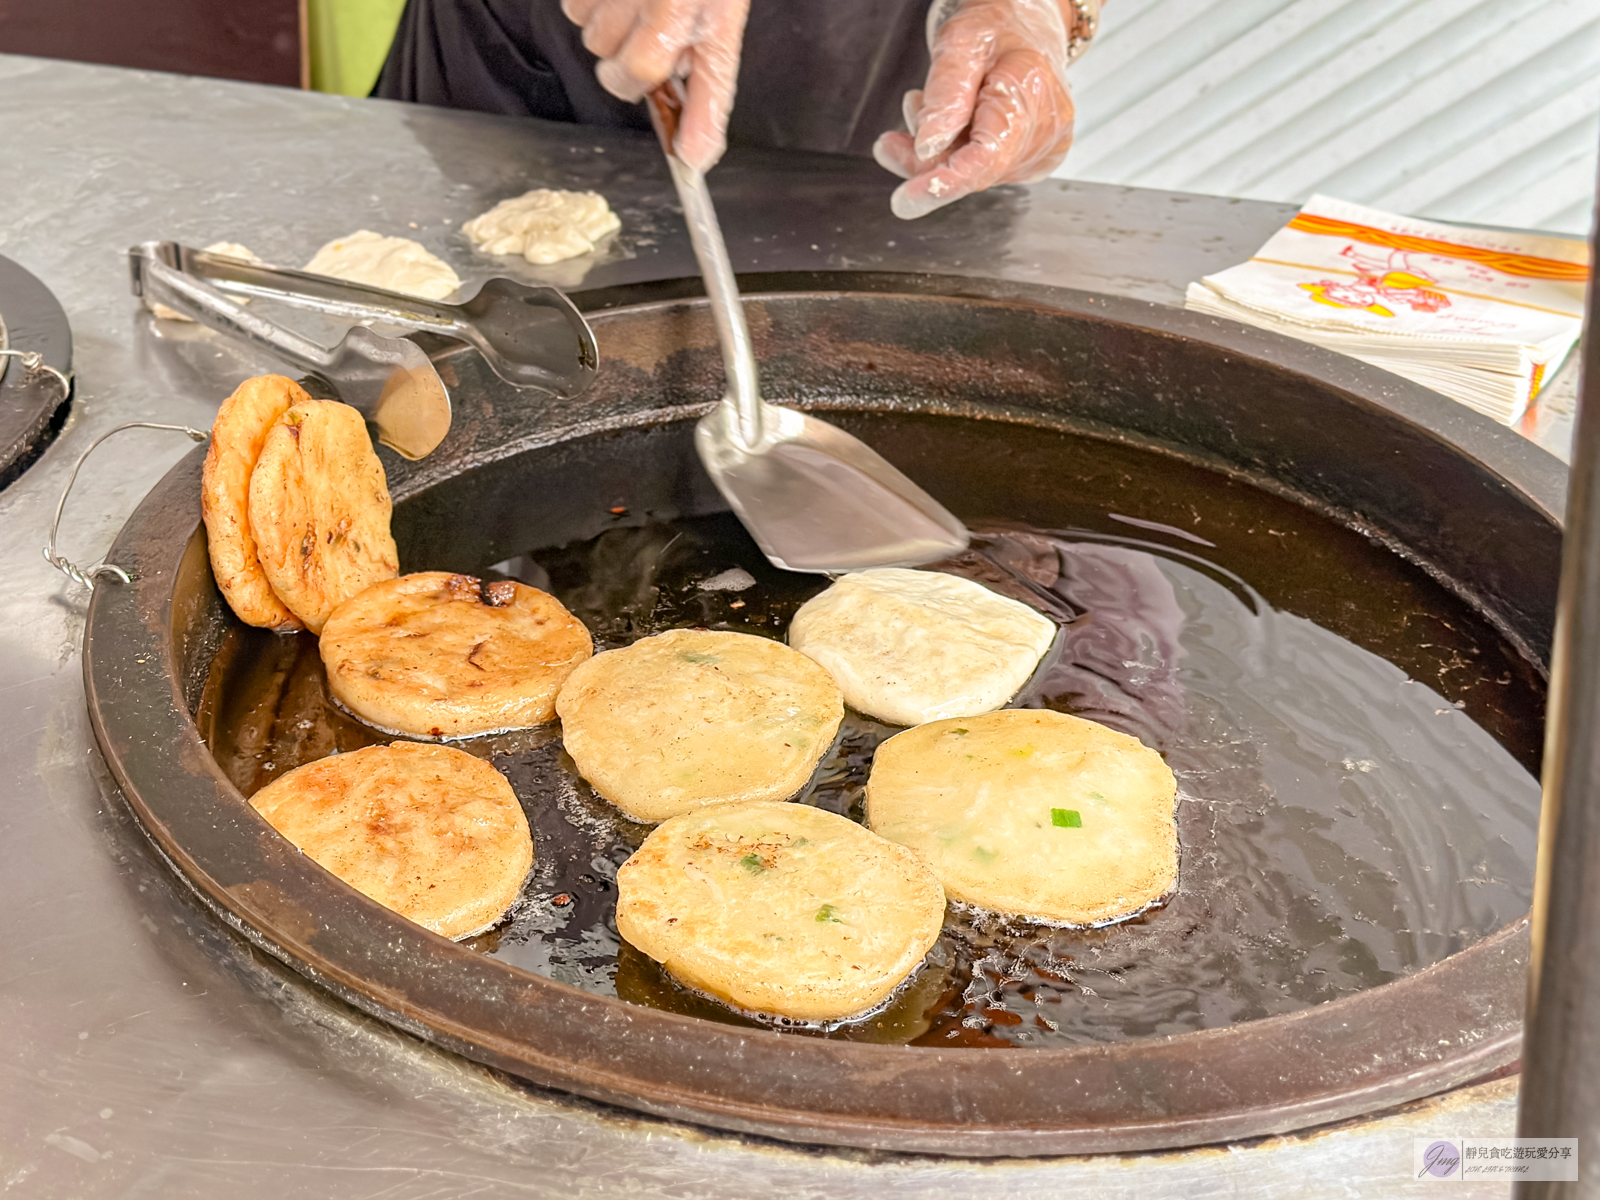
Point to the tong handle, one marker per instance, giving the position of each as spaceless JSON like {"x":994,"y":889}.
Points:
{"x":666,"y":113}
{"x":530,"y":335}
{"x":157,"y":275}
{"x":320,"y":293}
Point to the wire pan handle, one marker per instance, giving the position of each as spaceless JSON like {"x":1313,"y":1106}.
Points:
{"x":35,"y":364}
{"x":101,"y":570}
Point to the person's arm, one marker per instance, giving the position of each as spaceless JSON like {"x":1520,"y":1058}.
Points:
{"x":643,"y":42}
{"x":996,"y":107}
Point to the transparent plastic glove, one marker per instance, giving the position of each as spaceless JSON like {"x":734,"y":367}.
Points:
{"x":642,"y":42}
{"x":996,"y":107}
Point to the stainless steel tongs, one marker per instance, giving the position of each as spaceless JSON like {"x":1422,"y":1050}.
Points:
{"x":532,"y":337}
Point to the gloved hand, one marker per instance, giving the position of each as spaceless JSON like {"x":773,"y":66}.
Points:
{"x":995,"y":109}
{"x":642,"y":42}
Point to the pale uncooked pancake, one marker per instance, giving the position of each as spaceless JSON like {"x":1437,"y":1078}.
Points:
{"x":695,"y":717}
{"x":429,"y":831}
{"x":237,"y":435}
{"x":319,"y":510}
{"x":394,"y":263}
{"x":914,"y":646}
{"x":443,"y":655}
{"x":780,"y":908}
{"x":1031,"y":813}
{"x":234,"y":250}
{"x":544,"y":226}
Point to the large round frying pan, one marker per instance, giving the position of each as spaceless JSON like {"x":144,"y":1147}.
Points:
{"x":1469,"y":504}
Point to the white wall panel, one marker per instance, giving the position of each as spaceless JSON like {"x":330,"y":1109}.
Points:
{"x":1466,"y":110}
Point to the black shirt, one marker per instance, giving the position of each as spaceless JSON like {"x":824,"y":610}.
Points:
{"x":823,"y":75}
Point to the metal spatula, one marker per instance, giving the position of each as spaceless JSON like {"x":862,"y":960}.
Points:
{"x":813,"y":497}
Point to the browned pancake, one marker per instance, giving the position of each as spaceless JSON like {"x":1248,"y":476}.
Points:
{"x":442,"y":655}
{"x":237,"y":435}
{"x":319,"y":509}
{"x":429,"y":831}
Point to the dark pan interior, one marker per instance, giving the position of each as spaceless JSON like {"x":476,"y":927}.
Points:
{"x":1293,"y":489}
{"x":1355,"y":746}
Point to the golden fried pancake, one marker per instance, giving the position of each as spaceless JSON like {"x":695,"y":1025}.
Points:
{"x":694,"y":717}
{"x":428,"y":831}
{"x":319,"y":509}
{"x":914,"y":646}
{"x":237,"y":436}
{"x":780,"y":908}
{"x":1031,"y":813}
{"x":442,"y":655}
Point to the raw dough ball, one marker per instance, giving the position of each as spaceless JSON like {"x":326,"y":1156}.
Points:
{"x":232,"y":250}
{"x":914,"y":646}
{"x":780,"y":908}
{"x":442,"y":655}
{"x":1031,"y":813}
{"x":396,"y":264}
{"x":693,"y":717}
{"x":237,"y":436}
{"x":428,"y":831}
{"x":544,"y":226}
{"x":319,"y":509}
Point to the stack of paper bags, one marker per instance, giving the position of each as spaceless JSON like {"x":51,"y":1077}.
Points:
{"x":1480,"y":315}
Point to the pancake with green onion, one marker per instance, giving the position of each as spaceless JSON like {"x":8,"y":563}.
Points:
{"x":780,"y":909}
{"x":1031,"y":813}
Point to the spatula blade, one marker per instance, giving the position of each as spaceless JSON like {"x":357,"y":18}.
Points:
{"x":816,"y":499}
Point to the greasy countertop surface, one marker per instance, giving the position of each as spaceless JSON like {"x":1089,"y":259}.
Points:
{"x":148,"y":1050}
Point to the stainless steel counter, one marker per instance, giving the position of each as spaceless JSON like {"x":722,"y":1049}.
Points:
{"x":147,"y":1050}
